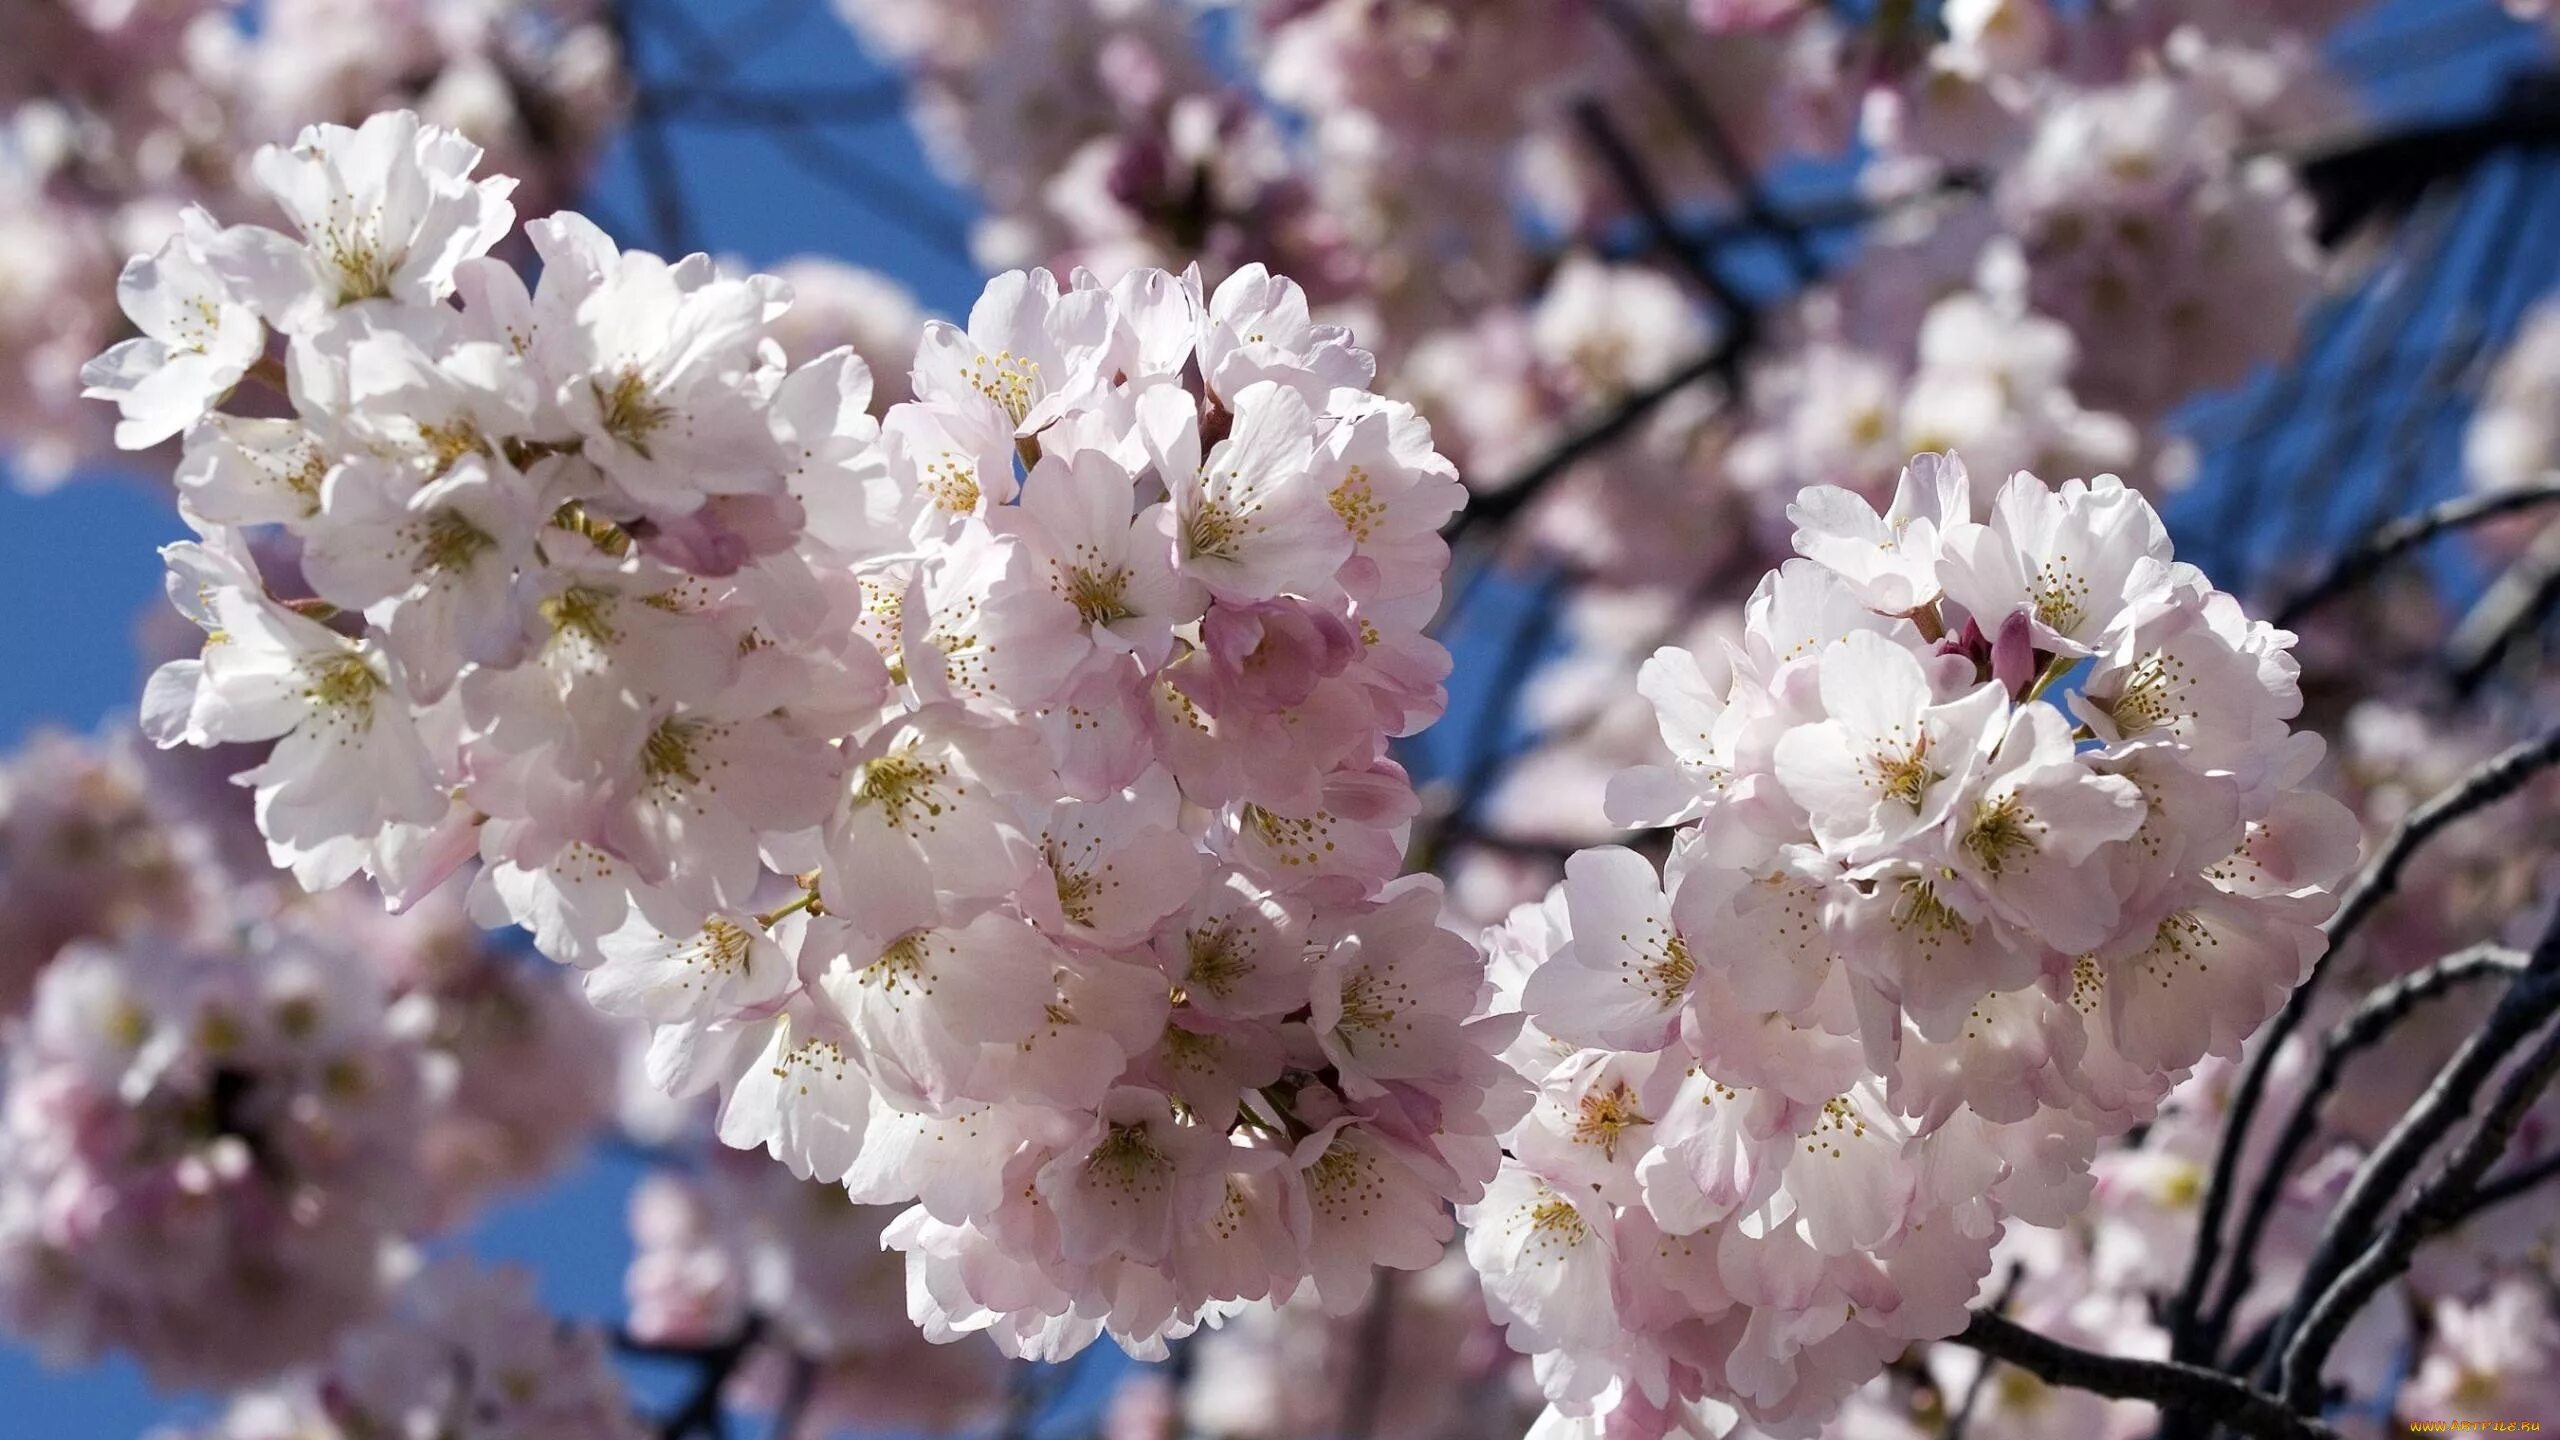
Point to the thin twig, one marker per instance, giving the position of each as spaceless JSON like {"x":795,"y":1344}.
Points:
{"x":1627,"y":169}
{"x":2294,"y":1351}
{"x":2162,"y":1382}
{"x":1958,"y":1422}
{"x":2516,"y":602}
{"x":2363,"y":1027}
{"x":1712,"y":139}
{"x":700,"y":1412}
{"x":2523,"y":1179}
{"x":670,"y":218}
{"x":2396,"y":538}
{"x":1501,"y":502}
{"x":2442,"y":1201}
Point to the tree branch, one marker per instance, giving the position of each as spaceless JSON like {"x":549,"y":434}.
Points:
{"x":2443,"y":1201}
{"x":700,"y":1412}
{"x":1503,"y":501}
{"x":2162,"y":1382}
{"x":2295,"y":1350}
{"x":2396,"y":538}
{"x":1699,"y":120}
{"x":1627,"y":170}
{"x":2516,"y":601}
{"x":2362,"y":1028}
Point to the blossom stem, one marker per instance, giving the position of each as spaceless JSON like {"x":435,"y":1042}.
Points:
{"x":2162,"y":1382}
{"x":2053,"y":671}
{"x":808,"y":901}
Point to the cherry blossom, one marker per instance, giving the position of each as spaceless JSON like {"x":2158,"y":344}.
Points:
{"x":1924,"y":938}
{"x":1012,"y":767}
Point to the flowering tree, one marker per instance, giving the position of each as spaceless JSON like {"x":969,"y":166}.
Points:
{"x":1924,"y":973}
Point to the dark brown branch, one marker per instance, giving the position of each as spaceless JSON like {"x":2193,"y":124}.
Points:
{"x":2443,"y":1201}
{"x":1962,"y":1418}
{"x":1698,"y":119}
{"x":2522,"y":1180}
{"x":2379,"y":175}
{"x":2396,"y":538}
{"x":1501,"y":502}
{"x":1627,"y":170}
{"x":2515,"y":603}
{"x":700,"y":1412}
{"x":2167,"y":1383}
{"x":2294,"y":1351}
{"x":2363,"y":1027}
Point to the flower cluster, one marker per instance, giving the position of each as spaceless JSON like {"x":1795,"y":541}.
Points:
{"x":991,"y":800}
{"x":114,"y":118}
{"x":740,"y":1240}
{"x":461,"y":1354}
{"x":1989,"y":831}
{"x":207,"y":1155}
{"x":284,"y":1089}
{"x":2513,"y":440}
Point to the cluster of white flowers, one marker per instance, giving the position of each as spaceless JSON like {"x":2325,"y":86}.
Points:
{"x":1989,"y":831}
{"x":460,"y":1354}
{"x":207,"y":1152}
{"x":282,"y":1089}
{"x":736,"y":1239}
{"x":991,"y":801}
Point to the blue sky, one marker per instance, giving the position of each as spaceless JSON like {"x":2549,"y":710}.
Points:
{"x":77,"y":566}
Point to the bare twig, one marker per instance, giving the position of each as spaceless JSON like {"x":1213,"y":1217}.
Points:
{"x":1501,"y":502}
{"x":1712,"y":139}
{"x":700,"y":1413}
{"x":2522,"y":1180}
{"x":1962,"y":1419}
{"x":2443,"y":1200}
{"x":2294,"y":1351}
{"x":2516,"y":602}
{"x":1628,"y":171}
{"x":2162,"y":1382}
{"x":2363,"y":1027}
{"x":2396,"y":538}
